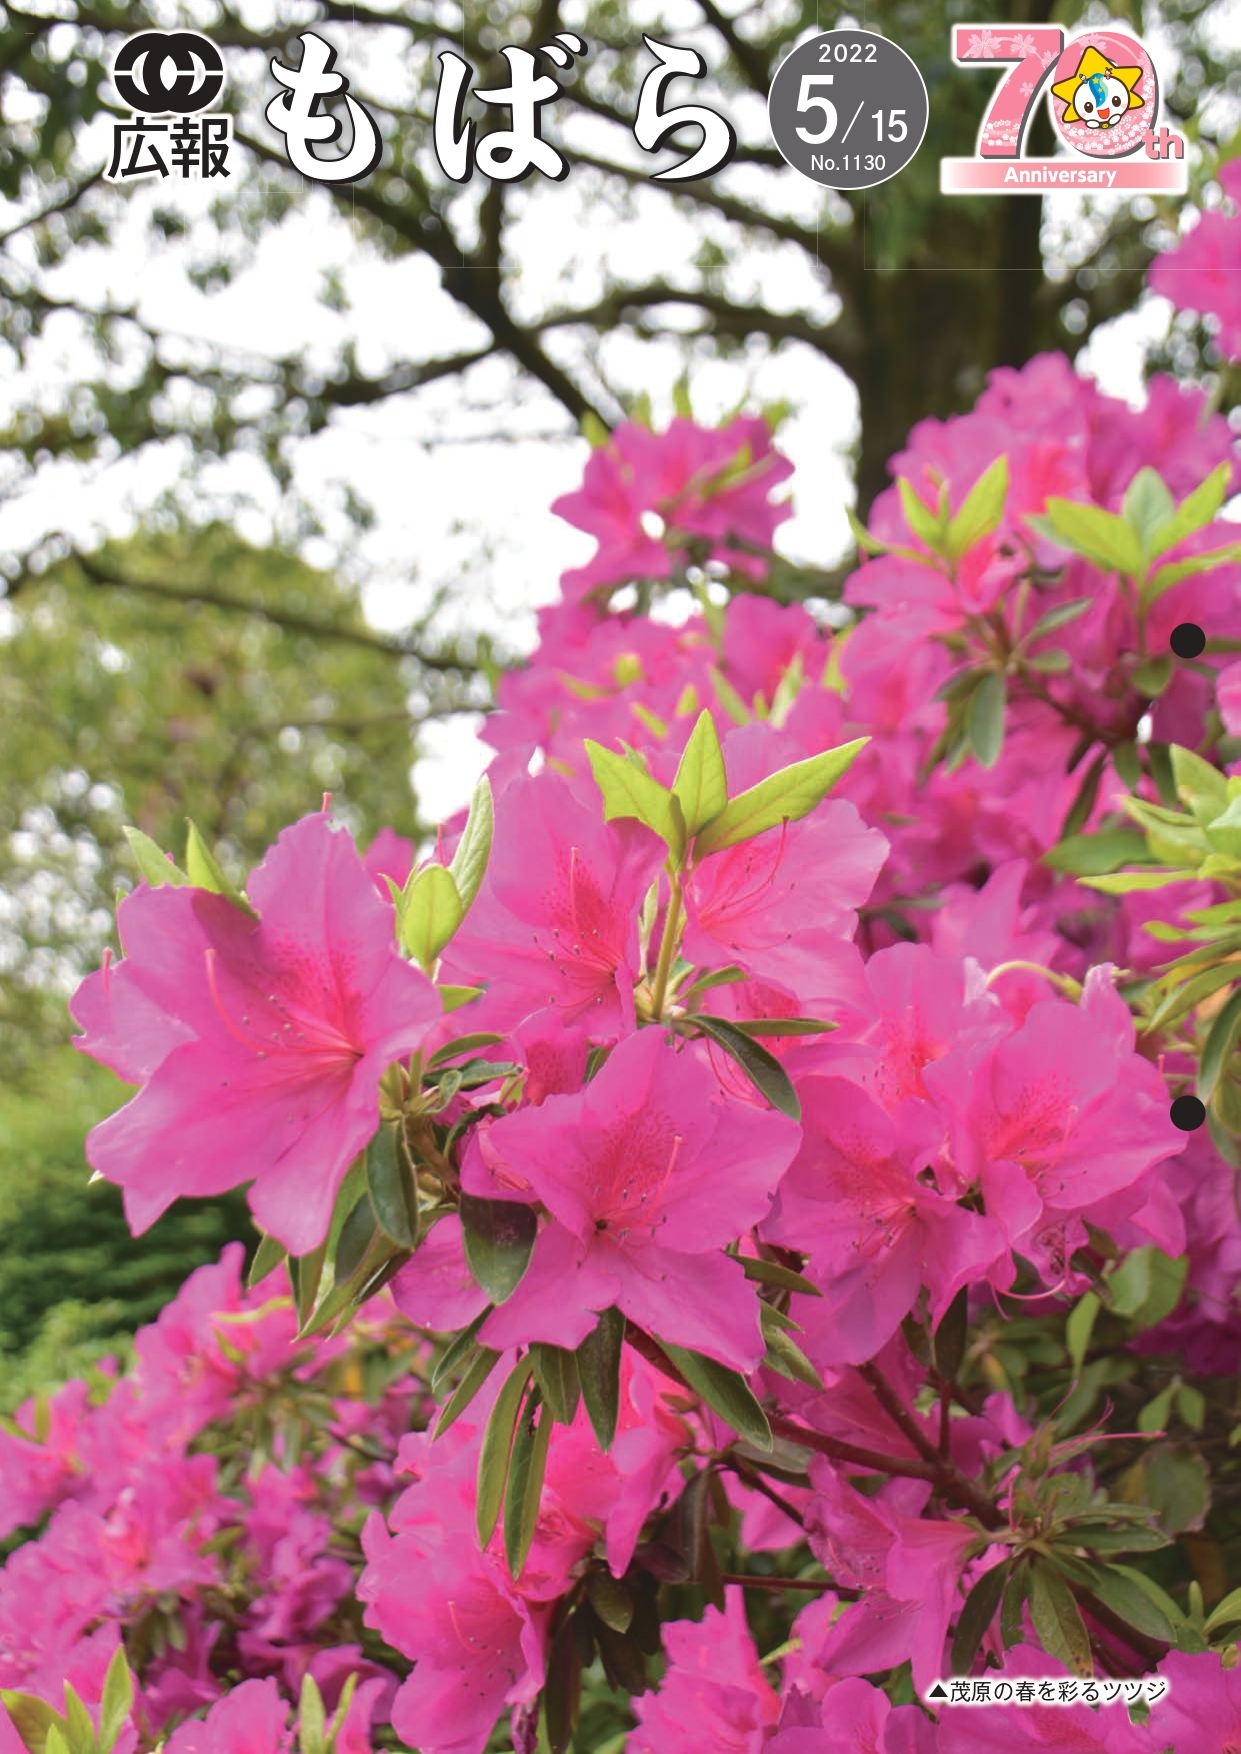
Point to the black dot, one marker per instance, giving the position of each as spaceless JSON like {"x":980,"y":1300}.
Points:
{"x":1188,"y":640}
{"x":1187,"y":1113}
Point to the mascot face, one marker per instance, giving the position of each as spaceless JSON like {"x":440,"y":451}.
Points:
{"x":1098,"y":94}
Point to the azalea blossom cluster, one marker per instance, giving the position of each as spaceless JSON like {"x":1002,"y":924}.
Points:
{"x":753,"y":1121}
{"x":202,"y":1513}
{"x":1203,"y":273}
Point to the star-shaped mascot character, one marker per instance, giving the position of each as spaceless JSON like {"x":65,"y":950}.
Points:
{"x":1099,"y":94}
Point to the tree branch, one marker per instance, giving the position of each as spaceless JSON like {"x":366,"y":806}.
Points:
{"x":99,"y":574}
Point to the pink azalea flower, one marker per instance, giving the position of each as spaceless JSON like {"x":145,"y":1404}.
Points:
{"x":714,"y":1694}
{"x":860,"y":1719}
{"x":555,"y":924}
{"x":1228,"y":698}
{"x":252,"y":1719}
{"x":647,"y":1174}
{"x":259,"y":1046}
{"x":642,"y":483}
{"x":1057,"y":1729}
{"x":478,"y":1645}
{"x":1203,"y":273}
{"x":859,"y":1202}
{"x":772,"y":904}
{"x":908,"y":1568}
{"x":1202,"y":1707}
{"x":1056,"y":1118}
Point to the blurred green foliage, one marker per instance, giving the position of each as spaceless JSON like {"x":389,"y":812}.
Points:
{"x":74,"y":1284}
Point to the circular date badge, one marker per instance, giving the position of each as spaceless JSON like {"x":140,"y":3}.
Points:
{"x":848,"y":109}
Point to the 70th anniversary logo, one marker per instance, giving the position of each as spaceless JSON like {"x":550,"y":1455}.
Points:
{"x":847,"y":108}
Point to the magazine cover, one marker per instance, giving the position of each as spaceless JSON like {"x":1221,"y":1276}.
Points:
{"x":620,"y":877}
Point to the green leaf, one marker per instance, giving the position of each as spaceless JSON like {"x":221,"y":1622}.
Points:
{"x":1060,"y":616}
{"x":725,"y":1392}
{"x":1224,"y":832}
{"x":594,"y":431}
{"x":977,"y":1614}
{"x":555,"y":1371}
{"x":1191,"y":1405}
{"x":1219,"y":1046}
{"x":781,"y":1026}
{"x":117,"y":1701}
{"x":456,"y":1352}
{"x":453,"y":998}
{"x":729,"y":699}
{"x":610,"y":1600}
{"x":701,"y":785}
{"x":1129,"y":882}
{"x":980,"y":512}
{"x":1225,"y":1613}
{"x":1154,"y":1415}
{"x":204,"y":871}
{"x":861,"y":535}
{"x":1199,"y":786}
{"x":32,"y":1719}
{"x":925,"y":524}
{"x":462,"y":1044}
{"x":628,"y":791}
{"x":267,"y":1257}
{"x":341,"y":1713}
{"x":1079,"y":1327}
{"x":1101,"y":536}
{"x":356,"y":1236}
{"x":598,"y":1369}
{"x":1147,"y":508}
{"x":986,"y":719}
{"x":499,"y":1235}
{"x":1167,"y":576}
{"x":1118,"y":1588}
{"x":493,"y":1455}
{"x":784,"y":1355}
{"x":1196,"y":511}
{"x":482,"y":1364}
{"x":469,"y":863}
{"x":306,"y":1274}
{"x":1152,"y":677}
{"x":57,"y":1742}
{"x":431,"y":911}
{"x":1012,"y":1617}
{"x":311,"y":1718}
{"x":562,"y":1692}
{"x":154,"y":865}
{"x":1091,"y":855}
{"x":786,"y":796}
{"x":1183,"y":998}
{"x":1084,"y":801}
{"x":1058,"y":1621}
{"x":771,"y":1273}
{"x":525,"y":1481}
{"x":79,"y":1730}
{"x":393,"y":1192}
{"x":762,"y":1069}
{"x":1055,"y":661}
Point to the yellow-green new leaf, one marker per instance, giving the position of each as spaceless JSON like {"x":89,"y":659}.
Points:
{"x":630,"y":792}
{"x":701,"y":785}
{"x":981,"y":511}
{"x":204,"y":871}
{"x":431,"y":912}
{"x":469,"y":862}
{"x":1101,"y":536}
{"x":786,"y":797}
{"x":154,"y":865}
